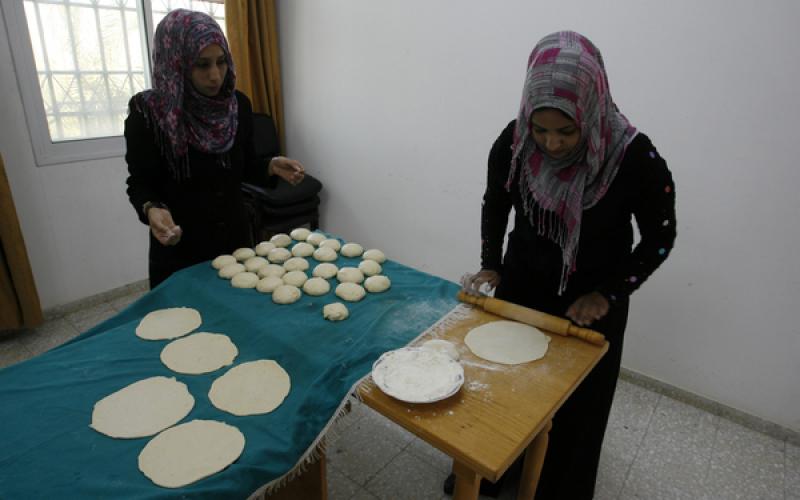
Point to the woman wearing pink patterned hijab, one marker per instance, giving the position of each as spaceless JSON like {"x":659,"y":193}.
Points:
{"x":576,"y":173}
{"x":190,"y":146}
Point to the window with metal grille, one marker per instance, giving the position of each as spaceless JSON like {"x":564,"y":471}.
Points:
{"x":78,"y":62}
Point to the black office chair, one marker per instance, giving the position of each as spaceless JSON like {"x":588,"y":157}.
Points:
{"x":283,"y":207}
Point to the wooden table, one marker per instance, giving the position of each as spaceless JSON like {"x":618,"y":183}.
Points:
{"x":499,"y":412}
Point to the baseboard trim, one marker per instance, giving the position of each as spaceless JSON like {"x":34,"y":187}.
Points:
{"x":93,"y":300}
{"x":745,"y":419}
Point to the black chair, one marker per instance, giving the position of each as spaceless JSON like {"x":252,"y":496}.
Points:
{"x":281,"y":208}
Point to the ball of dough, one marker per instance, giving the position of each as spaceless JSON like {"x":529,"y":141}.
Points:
{"x":242,"y":254}
{"x":303,"y":249}
{"x":351,"y":292}
{"x":316,"y":286}
{"x":232,"y":270}
{"x":335,"y":312}
{"x":222,"y":261}
{"x":286,"y":294}
{"x":269,"y":284}
{"x":369,"y":267}
{"x":349,"y":275}
{"x":325,"y":270}
{"x":352,"y":250}
{"x":279,"y":255}
{"x":331,"y":243}
{"x":316,"y":238}
{"x":253,"y":264}
{"x":271,"y":270}
{"x":244,"y":280}
{"x":325,"y":254}
{"x":281,"y":240}
{"x":378,"y":283}
{"x":374,"y":254}
{"x":295,"y":278}
{"x":443,"y":346}
{"x":300,"y":234}
{"x":263,"y":248}
{"x":296,"y":264}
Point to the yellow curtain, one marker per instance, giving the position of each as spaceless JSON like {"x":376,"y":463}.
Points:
{"x":252,"y":28}
{"x":19,"y":301}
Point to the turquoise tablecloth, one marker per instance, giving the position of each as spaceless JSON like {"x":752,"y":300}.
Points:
{"x":47,"y":449}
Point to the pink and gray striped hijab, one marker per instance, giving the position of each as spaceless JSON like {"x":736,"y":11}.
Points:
{"x":566,"y":72}
{"x":182,"y":115}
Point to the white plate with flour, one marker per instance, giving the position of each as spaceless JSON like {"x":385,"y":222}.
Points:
{"x":417,"y":375}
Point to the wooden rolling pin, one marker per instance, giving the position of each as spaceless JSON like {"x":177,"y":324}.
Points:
{"x":532,"y":317}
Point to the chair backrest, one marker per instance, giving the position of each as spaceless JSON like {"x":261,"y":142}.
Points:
{"x":265,"y":136}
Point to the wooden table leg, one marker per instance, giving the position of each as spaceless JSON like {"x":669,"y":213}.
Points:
{"x":311,"y":484}
{"x":532,"y":467}
{"x":468,"y":482}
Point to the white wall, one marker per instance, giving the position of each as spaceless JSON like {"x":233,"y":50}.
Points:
{"x":81,"y":233}
{"x":394,"y":105}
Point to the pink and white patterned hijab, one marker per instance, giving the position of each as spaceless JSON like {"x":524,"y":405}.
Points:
{"x":182,"y":115}
{"x":566,"y":72}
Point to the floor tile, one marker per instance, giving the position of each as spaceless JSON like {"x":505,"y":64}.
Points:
{"x":121,"y":303}
{"x":362,"y":451}
{"x":630,"y":416}
{"x":792,"y":479}
{"x":438,"y":460}
{"x":342,"y":488}
{"x":611,"y":473}
{"x":13,"y":350}
{"x":85,"y":319}
{"x":385,"y":428}
{"x":406,"y":476}
{"x":51,"y":334}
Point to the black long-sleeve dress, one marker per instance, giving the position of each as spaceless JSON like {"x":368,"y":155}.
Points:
{"x":208,"y":205}
{"x":607,"y":262}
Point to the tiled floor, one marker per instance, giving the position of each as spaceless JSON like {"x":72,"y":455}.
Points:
{"x":656,"y":447}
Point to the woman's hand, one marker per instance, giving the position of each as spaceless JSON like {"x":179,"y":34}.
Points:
{"x":588,"y":309}
{"x":472,"y":283}
{"x":163,"y":227}
{"x":290,"y":170}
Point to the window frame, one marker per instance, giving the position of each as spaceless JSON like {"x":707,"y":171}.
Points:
{"x":45,"y":151}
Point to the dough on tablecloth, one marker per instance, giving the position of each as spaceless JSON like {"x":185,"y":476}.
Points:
{"x":253,"y":264}
{"x":325,"y":254}
{"x":271,"y":270}
{"x":316,"y":238}
{"x":222,"y":261}
{"x":286,"y":294}
{"x":244,"y":280}
{"x":231,"y":270}
{"x":349,"y":275}
{"x":168,"y":323}
{"x":507,"y":342}
{"x":251,"y":388}
{"x":325,"y":270}
{"x":281,"y":240}
{"x":199,"y":353}
{"x":269,"y":284}
{"x":375,"y":255}
{"x":352,"y":250}
{"x":242,"y":254}
{"x":369,"y":267}
{"x":331,"y":243}
{"x":142,"y":408}
{"x":443,"y":346}
{"x":377,"y":284}
{"x":335,"y":312}
{"x":296,"y":264}
{"x":303,"y":249}
{"x":316,"y":287}
{"x":189,"y":452}
{"x":279,"y":255}
{"x":300,"y":234}
{"x":263,"y":248}
{"x":351,"y":292}
{"x":295,"y":278}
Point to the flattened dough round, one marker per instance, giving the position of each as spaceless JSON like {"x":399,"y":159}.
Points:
{"x":142,"y":408}
{"x":199,"y":353}
{"x":374,"y":254}
{"x":286,"y":294}
{"x":269,"y":284}
{"x":351,"y":292}
{"x":271,"y":270}
{"x":369,"y":267}
{"x":325,"y":270}
{"x":303,"y":249}
{"x":325,"y":254}
{"x":296,"y":264}
{"x":251,"y":388}
{"x":242,"y":254}
{"x":316,"y":287}
{"x":377,"y":284}
{"x":300,"y":234}
{"x":189,"y":452}
{"x":279,"y":255}
{"x":222,"y":261}
{"x":349,"y":275}
{"x":168,"y":323}
{"x":281,"y":240}
{"x":352,"y":250}
{"x":263,"y":248}
{"x":244,"y":280}
{"x":335,"y":312}
{"x":231,"y":270}
{"x":507,"y":342}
